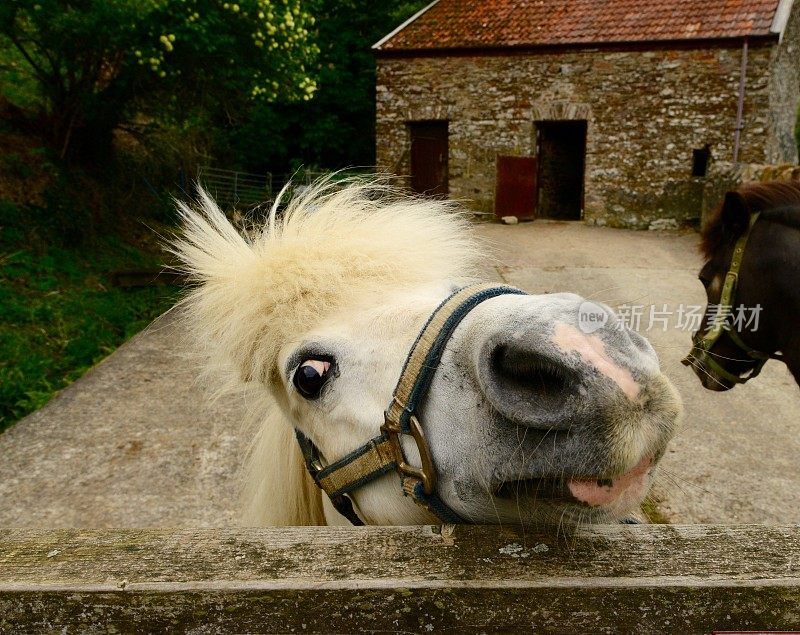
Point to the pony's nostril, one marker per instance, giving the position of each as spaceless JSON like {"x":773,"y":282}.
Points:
{"x":526,"y":371}
{"x":530,"y":388}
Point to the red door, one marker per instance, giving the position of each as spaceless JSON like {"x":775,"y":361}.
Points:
{"x":516,"y":190}
{"x":429,"y":150}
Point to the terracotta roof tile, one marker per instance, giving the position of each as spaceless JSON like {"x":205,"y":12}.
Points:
{"x":504,"y":23}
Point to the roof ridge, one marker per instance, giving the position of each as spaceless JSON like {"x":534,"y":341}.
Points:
{"x":403,"y":25}
{"x":455,"y":24}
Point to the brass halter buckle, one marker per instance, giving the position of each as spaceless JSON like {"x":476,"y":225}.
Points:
{"x":426,"y":474}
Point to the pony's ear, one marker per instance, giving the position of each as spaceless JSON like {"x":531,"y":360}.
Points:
{"x":735,"y":214}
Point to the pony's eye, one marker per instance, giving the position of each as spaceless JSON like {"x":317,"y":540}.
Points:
{"x":310,"y":377}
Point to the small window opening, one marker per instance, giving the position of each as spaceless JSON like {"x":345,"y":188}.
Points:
{"x":700,"y":160}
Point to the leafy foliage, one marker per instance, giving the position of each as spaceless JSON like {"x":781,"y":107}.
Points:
{"x":96,"y":63}
{"x":336,"y":128}
{"x":797,"y":129}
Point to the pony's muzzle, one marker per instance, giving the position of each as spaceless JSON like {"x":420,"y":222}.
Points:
{"x":558,"y":378}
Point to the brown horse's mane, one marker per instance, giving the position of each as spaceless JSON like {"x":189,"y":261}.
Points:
{"x":778,"y":201}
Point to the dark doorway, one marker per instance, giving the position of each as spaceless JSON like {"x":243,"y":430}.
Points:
{"x":429,"y":151}
{"x":562,"y":159}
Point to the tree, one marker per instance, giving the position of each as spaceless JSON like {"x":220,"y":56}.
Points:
{"x":336,"y":128}
{"x":98,"y":63}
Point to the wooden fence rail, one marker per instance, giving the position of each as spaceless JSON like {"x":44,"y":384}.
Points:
{"x":406,"y":579}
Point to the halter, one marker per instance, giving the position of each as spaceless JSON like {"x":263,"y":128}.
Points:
{"x":702,"y":344}
{"x":385,"y":452}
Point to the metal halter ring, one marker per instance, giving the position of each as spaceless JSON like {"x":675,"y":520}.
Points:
{"x":426,"y":473}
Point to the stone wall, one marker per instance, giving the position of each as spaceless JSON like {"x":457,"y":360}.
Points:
{"x":646,"y":112}
{"x":784,"y":94}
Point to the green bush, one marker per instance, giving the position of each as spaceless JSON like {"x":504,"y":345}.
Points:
{"x":335,"y":129}
{"x":15,"y":165}
{"x":59,"y":314}
{"x":96,"y":64}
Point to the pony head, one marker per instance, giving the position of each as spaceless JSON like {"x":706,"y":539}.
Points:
{"x":750,"y":248}
{"x":530,"y":416}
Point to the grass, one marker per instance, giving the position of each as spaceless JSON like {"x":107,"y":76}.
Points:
{"x":652,"y":512}
{"x":59,"y":314}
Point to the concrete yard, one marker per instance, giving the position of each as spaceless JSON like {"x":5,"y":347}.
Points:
{"x":135,"y":443}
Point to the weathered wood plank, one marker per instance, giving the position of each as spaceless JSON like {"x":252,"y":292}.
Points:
{"x":606,"y":579}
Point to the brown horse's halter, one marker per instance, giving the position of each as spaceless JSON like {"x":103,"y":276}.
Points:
{"x":385,"y":452}
{"x":702,"y":344}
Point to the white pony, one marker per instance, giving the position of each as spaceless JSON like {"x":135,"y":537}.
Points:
{"x":529,"y":418}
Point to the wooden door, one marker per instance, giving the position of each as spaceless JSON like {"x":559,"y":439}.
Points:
{"x":516,"y":189}
{"x":429,"y":152}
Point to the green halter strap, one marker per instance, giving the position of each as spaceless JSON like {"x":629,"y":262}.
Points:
{"x":703,"y":345}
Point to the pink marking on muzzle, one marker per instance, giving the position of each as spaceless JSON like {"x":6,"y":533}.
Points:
{"x":593,"y":351}
{"x":597,"y":495}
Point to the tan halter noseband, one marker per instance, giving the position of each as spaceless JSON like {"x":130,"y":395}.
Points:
{"x":385,"y":452}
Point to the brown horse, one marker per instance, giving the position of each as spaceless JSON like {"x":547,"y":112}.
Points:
{"x":751,"y":275}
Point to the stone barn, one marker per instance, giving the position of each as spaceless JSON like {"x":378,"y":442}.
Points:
{"x":610,"y":111}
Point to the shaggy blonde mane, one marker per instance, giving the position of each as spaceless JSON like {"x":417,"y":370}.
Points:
{"x":332,"y":246}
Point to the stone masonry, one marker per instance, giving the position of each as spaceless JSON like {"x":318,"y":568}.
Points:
{"x":647,"y":109}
